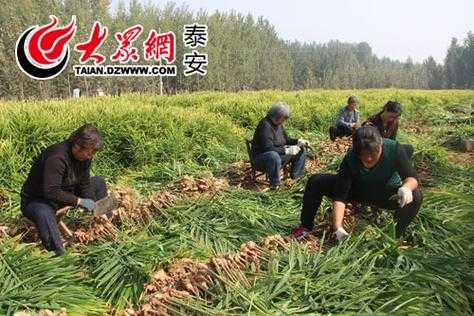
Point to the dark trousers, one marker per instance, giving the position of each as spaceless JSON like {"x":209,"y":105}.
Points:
{"x":343,"y":130}
{"x":321,"y":185}
{"x":408,"y":149}
{"x":43,"y":215}
{"x":271,"y":162}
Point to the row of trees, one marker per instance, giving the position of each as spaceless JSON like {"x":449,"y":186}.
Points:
{"x":345,"y":65}
{"x":245,"y":53}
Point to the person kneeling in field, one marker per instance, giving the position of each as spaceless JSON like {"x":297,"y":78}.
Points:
{"x":347,"y":121}
{"x":375,"y":171}
{"x":272,"y":148}
{"x":59,"y":177}
{"x":387,"y":120}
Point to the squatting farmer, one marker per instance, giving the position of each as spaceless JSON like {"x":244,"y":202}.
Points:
{"x":272,"y":148}
{"x":59,"y":177}
{"x":376,"y":172}
{"x":347,"y":121}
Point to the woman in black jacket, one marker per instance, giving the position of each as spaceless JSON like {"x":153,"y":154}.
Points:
{"x":59,"y":177}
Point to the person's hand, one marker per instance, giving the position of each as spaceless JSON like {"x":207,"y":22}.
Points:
{"x":404,"y":196}
{"x":87,"y":204}
{"x":303,"y":143}
{"x":292,"y":150}
{"x":356,"y":125}
{"x":341,"y":234}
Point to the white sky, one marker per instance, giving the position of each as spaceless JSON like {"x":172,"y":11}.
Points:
{"x":393,"y":28}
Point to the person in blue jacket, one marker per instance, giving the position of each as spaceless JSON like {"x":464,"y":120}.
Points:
{"x":347,"y":121}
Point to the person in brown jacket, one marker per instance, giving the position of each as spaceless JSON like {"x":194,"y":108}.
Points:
{"x":386,"y":121}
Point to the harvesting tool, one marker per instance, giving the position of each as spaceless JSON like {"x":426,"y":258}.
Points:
{"x":105,"y":205}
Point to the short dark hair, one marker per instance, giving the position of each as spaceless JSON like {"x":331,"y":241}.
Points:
{"x":352,"y":99}
{"x":393,"y":107}
{"x":87,"y":136}
{"x":366,"y":138}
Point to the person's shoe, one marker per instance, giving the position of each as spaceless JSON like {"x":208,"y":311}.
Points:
{"x":296,"y":177}
{"x":332,"y":133}
{"x":300,"y":232}
{"x":274,"y":187}
{"x":58,"y":252}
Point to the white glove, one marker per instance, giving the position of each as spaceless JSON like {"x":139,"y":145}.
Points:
{"x":303,"y":142}
{"x":341,"y":234}
{"x":292,"y":150}
{"x":405,"y":196}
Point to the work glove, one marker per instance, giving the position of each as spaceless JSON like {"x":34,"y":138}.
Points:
{"x":292,"y":150}
{"x":341,"y":234}
{"x":88,"y":204}
{"x":404,"y":196}
{"x":303,"y":142}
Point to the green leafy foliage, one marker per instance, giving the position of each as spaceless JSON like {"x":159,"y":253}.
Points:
{"x":30,"y":280}
{"x":151,"y":141}
{"x":118,"y":269}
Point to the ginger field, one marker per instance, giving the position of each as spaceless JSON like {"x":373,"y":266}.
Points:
{"x":195,"y":236}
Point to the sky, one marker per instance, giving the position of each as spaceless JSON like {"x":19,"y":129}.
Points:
{"x":397,"y":29}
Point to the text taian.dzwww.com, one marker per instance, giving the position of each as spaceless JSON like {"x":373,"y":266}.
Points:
{"x":125,"y":70}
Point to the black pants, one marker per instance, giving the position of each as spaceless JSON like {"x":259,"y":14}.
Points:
{"x":321,"y":185}
{"x":408,"y":149}
{"x":43,"y":215}
{"x":343,"y":130}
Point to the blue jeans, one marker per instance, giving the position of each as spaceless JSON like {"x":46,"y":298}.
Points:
{"x":43,"y":215}
{"x":271,"y":162}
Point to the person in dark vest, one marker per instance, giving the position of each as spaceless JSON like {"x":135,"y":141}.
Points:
{"x":375,"y":171}
{"x":347,"y":121}
{"x":59,"y":177}
{"x":387,"y":120}
{"x":272,"y":148}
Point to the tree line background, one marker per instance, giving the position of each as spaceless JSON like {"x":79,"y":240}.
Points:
{"x":245,"y":53}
